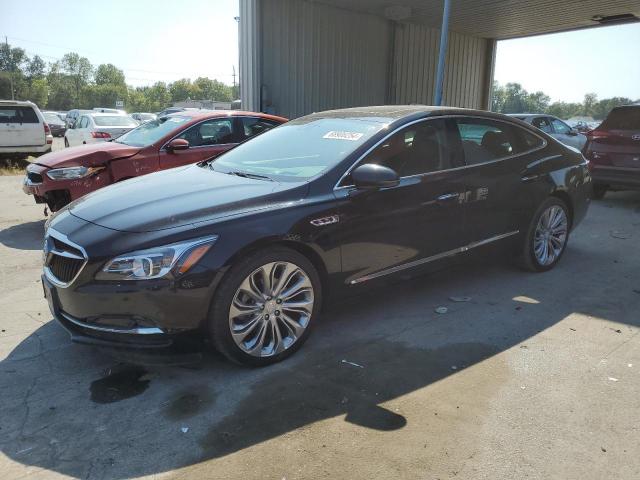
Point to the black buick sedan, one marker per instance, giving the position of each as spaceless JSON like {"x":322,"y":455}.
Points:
{"x":243,"y":250}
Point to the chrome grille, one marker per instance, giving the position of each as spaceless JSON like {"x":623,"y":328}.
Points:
{"x":63,"y":260}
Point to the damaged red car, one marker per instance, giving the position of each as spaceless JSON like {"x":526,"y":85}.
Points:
{"x":60,"y":177}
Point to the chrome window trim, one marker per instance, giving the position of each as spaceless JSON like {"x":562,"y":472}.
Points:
{"x":163,"y":147}
{"x":63,"y":238}
{"x":501,"y":159}
{"x":135,"y":331}
{"x":438,"y":256}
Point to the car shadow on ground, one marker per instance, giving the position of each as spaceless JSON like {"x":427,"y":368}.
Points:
{"x":26,"y":236}
{"x":74,"y":410}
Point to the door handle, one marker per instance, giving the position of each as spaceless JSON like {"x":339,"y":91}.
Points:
{"x":529,"y":178}
{"x":447,"y":198}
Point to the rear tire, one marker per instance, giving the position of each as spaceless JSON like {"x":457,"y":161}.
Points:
{"x":271,"y":320}
{"x":66,"y":142}
{"x":599,"y":191}
{"x":547,"y":236}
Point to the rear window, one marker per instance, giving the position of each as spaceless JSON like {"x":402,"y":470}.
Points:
{"x":627,"y":118}
{"x":52,"y":118}
{"x":18,"y":115}
{"x":113,"y":121}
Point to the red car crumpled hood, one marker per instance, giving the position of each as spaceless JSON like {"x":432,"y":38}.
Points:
{"x":87,"y":155}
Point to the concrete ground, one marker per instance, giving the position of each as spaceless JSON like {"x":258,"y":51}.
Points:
{"x":537,"y":376}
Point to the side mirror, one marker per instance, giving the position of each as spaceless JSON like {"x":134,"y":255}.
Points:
{"x":177,"y":144}
{"x":372,"y":176}
{"x":573,"y":132}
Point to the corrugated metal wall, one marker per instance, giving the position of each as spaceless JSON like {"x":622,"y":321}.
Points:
{"x":306,"y":56}
{"x":415,"y":62}
{"x":317,"y":57}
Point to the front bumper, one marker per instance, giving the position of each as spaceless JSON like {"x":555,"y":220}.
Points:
{"x":29,"y":149}
{"x":121,"y":318}
{"x":111,"y":336}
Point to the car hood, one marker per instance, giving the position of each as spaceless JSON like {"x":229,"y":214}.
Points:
{"x":90,"y":155}
{"x":178,"y":197}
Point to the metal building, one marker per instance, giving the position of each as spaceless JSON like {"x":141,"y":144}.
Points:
{"x":300,"y":56}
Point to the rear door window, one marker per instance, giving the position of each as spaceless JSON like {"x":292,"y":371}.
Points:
{"x":486,"y":140}
{"x":18,"y":115}
{"x":255,"y":126}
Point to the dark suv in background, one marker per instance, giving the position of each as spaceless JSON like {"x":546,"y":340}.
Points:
{"x":613,"y":150}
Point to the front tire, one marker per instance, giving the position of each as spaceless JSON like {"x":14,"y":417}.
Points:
{"x":547,"y":236}
{"x":265,"y":307}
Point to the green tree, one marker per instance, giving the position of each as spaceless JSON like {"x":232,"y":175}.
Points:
{"x":35,"y":67}
{"x":38,"y":92}
{"x":109,"y":74}
{"x":182,"y":89}
{"x":79,"y":69}
{"x":158,"y":97}
{"x":590,"y":100}
{"x":208,"y":89}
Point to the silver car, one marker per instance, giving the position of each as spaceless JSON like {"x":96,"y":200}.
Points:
{"x":554,"y":127}
{"x":97,"y":127}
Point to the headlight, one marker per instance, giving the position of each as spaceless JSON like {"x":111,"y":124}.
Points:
{"x":72,"y":172}
{"x":157,"y":262}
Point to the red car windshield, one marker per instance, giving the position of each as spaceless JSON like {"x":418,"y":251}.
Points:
{"x":150,"y":132}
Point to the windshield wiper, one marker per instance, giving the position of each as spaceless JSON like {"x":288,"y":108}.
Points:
{"x":250,"y":175}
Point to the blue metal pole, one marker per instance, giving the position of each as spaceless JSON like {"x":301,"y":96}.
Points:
{"x":444,"y":36}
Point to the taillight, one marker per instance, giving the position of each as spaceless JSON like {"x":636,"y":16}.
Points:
{"x":597,"y":134}
{"x":100,"y":135}
{"x":47,"y":134}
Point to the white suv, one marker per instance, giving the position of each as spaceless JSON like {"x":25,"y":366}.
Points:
{"x":23,"y":129}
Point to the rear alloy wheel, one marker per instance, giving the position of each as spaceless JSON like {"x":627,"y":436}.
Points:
{"x":265,"y":307}
{"x":599,"y":191}
{"x":547,"y":237}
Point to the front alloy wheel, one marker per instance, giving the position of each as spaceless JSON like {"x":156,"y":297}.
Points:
{"x":265,"y":306}
{"x":271,"y":309}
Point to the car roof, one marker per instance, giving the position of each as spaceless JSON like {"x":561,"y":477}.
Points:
{"x":22,"y":103}
{"x":390,"y":113}
{"x":202,"y":114}
{"x":529,"y":115}
{"x":106,"y":114}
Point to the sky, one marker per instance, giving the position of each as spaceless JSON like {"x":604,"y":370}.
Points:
{"x":164,"y":40}
{"x":151,"y":40}
{"x":565,"y":66}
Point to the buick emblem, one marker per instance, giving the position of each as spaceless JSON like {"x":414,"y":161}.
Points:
{"x":635,"y":137}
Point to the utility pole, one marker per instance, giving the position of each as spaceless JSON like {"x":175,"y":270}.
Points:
{"x":234,"y":76}
{"x":6,"y":42}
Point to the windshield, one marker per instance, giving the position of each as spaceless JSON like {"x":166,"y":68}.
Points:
{"x":298,"y":150}
{"x":113,"y":121}
{"x":152,"y":131}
